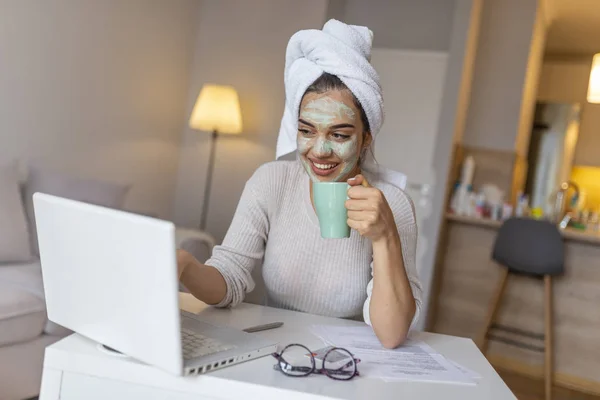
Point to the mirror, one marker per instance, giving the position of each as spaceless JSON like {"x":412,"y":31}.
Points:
{"x":551,"y":151}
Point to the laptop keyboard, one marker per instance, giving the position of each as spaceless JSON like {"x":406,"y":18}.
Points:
{"x":197,"y":345}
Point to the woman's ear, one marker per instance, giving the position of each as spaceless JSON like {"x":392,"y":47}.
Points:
{"x":368,"y":140}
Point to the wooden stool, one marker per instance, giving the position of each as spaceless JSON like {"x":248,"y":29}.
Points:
{"x":534,"y":248}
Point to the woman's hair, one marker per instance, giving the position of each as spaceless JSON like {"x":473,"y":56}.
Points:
{"x":328,"y":82}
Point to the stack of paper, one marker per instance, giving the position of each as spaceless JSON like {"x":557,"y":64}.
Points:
{"x":415,"y":360}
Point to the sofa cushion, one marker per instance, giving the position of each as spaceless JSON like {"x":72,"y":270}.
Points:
{"x":25,"y":280}
{"x":22,"y":306}
{"x":14,"y":235}
{"x":97,"y":192}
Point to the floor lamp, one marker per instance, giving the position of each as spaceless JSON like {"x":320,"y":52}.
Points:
{"x":217,"y":110}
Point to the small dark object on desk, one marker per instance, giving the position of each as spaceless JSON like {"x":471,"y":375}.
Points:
{"x":264,"y":327}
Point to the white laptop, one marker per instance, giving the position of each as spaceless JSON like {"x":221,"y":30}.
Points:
{"x":111,"y":276}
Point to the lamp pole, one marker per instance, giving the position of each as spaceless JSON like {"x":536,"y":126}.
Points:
{"x":209,"y":174}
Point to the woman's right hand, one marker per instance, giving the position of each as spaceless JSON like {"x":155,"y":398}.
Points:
{"x":184,"y":260}
{"x":203,"y":281}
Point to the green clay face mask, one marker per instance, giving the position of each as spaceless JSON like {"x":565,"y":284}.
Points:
{"x":325,"y":111}
{"x":330,"y":147}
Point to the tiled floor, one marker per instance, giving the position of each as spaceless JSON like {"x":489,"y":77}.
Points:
{"x":531,"y":389}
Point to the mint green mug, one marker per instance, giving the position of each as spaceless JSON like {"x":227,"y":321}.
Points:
{"x":330,"y":199}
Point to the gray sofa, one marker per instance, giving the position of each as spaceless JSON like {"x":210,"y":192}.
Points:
{"x":25,"y":330}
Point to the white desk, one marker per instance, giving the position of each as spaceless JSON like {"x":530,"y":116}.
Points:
{"x":74,"y":368}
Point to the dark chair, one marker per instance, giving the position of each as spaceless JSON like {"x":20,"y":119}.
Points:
{"x":534,"y":248}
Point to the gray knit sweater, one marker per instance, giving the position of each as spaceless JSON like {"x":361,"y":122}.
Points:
{"x":276,"y":225}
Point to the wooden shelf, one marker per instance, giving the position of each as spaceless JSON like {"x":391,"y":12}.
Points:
{"x":569,"y":233}
{"x":581,"y":236}
{"x":485,"y":222}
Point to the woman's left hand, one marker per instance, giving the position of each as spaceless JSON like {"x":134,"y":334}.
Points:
{"x":368,"y":211}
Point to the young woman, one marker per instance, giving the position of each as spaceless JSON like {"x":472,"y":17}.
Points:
{"x":372,"y":274}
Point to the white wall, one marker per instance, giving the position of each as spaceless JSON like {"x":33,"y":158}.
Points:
{"x":500,"y":74}
{"x":413,"y":84}
{"x":241,"y":43}
{"x":400,"y":24}
{"x":98,"y":88}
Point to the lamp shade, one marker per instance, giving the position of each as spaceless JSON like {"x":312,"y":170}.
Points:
{"x":593,"y":95}
{"x":217,"y":108}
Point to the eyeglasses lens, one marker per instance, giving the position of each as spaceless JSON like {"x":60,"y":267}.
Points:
{"x":296,"y":361}
{"x":339,"y":364}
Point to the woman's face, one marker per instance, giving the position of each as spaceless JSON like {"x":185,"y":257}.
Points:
{"x":330,"y":135}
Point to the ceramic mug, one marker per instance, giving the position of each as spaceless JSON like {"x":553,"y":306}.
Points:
{"x":330,"y":199}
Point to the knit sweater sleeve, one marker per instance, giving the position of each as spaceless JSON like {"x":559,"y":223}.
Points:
{"x":244,"y":244}
{"x":404,"y":216}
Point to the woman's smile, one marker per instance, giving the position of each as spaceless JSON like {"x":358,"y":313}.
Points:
{"x":323,"y":168}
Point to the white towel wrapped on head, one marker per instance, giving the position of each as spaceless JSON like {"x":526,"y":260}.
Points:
{"x":344,"y":51}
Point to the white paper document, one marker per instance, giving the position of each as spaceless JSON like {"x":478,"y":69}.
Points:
{"x":415,"y":360}
{"x":471,"y":374}
{"x":363,"y":338}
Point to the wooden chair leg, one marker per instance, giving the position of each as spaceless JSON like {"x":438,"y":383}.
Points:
{"x":493,"y":309}
{"x":548,"y":347}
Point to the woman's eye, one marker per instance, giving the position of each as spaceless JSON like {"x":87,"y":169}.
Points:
{"x":340,"y":136}
{"x":305,"y":132}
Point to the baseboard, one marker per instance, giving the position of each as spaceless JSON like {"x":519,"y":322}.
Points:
{"x":537,"y":372}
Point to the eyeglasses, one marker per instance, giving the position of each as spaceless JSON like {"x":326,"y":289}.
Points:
{"x":296,"y":360}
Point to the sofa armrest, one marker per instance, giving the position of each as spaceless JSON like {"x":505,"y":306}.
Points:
{"x":196,"y":242}
{"x":184,"y":234}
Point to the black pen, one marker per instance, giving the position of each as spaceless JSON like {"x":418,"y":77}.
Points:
{"x":264,"y":327}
